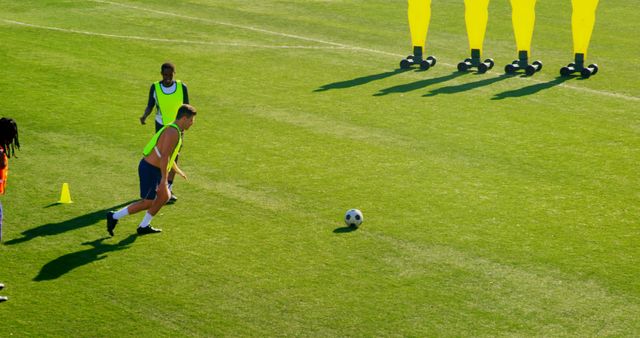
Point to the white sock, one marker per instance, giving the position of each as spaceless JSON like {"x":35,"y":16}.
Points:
{"x":146,"y":220}
{"x":121,"y":213}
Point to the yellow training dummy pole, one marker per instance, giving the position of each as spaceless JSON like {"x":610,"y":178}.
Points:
{"x":583,"y":19}
{"x":419,"y":12}
{"x":523,"y":17}
{"x":476,"y":15}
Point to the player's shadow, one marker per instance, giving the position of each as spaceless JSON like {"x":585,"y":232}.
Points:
{"x":468,"y":86}
{"x":359,"y":81}
{"x":418,"y":84}
{"x":343,"y":230}
{"x":529,"y":90}
{"x":68,"y":262}
{"x":51,"y":229}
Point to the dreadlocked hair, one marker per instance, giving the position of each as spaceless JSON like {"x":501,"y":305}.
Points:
{"x":9,"y":136}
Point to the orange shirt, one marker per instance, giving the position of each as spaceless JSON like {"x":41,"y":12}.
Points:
{"x":4,"y":170}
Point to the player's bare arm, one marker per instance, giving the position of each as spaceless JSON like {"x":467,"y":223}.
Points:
{"x":178,"y":170}
{"x":166,"y":144}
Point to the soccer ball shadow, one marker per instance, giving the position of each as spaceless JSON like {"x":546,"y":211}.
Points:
{"x":342,"y":230}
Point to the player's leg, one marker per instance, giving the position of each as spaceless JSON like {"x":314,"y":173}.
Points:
{"x":0,"y":221}
{"x":2,"y":298}
{"x":160,"y":196}
{"x":136,"y":207}
{"x":149,"y":177}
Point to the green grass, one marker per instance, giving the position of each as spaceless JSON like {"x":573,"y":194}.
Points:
{"x":494,"y":206}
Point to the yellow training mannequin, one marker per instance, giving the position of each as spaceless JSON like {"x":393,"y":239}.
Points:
{"x":582,"y":22}
{"x":419,"y":12}
{"x":523,"y":17}
{"x":476,"y":15}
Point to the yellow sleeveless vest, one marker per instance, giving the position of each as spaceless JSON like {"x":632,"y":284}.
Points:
{"x":169,"y":103}
{"x":154,"y":140}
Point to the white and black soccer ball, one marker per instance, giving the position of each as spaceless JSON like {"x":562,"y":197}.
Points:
{"x":353,"y":218}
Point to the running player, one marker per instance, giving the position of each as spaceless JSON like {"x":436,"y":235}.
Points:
{"x":158,"y":161}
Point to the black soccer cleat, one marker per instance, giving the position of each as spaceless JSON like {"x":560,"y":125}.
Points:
{"x":1,"y":286}
{"x":111,"y":222}
{"x":148,"y":230}
{"x":172,"y":199}
{"x":3,"y":299}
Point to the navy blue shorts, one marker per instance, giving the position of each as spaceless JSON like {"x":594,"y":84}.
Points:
{"x":150,"y":177}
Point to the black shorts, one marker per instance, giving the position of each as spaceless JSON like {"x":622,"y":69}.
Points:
{"x":150,"y":177}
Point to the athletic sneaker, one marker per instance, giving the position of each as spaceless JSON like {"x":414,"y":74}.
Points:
{"x":111,"y":222}
{"x":1,"y":286}
{"x":148,"y":230}
{"x":172,"y":199}
{"x":3,"y":299}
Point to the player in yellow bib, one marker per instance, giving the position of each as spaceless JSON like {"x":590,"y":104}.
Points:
{"x":166,"y":96}
{"x":158,"y":161}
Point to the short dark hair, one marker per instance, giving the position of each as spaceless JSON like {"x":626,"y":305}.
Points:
{"x":9,"y":135}
{"x":167,"y":65}
{"x":186,"y":110}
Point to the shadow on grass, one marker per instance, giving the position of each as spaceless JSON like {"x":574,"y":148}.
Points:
{"x":343,"y":230}
{"x":468,"y":86}
{"x":529,"y":90}
{"x":418,"y":84}
{"x":359,"y":81}
{"x":51,"y":229}
{"x":68,"y":262}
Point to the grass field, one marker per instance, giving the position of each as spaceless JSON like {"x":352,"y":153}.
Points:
{"x":494,"y":205}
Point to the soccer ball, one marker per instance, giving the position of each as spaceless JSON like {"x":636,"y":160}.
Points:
{"x":353,"y":218}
